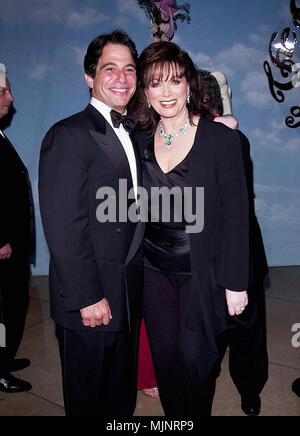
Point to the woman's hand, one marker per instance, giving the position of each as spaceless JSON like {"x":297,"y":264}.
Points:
{"x":236,"y":301}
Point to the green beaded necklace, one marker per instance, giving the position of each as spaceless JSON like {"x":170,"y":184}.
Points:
{"x":170,"y":138}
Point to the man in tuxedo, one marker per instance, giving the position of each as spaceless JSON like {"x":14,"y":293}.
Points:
{"x":95,"y":264}
{"x":246,"y":337}
{"x":17,"y":248}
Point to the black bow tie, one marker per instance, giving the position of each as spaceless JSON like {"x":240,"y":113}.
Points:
{"x":128,"y":122}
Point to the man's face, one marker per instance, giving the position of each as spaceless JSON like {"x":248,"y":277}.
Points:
{"x":115,"y":81}
{"x":6,"y":99}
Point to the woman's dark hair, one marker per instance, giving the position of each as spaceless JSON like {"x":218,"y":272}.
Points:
{"x":211,"y":92}
{"x":155,"y":61}
{"x":95,"y":49}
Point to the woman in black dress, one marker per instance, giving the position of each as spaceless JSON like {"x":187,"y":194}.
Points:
{"x":196,"y":272}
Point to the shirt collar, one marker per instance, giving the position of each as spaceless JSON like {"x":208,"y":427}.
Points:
{"x":104,"y":109}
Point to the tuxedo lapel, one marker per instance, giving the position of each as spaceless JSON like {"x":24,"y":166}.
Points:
{"x":107,"y":140}
{"x":138,"y":160}
{"x":5,"y":142}
{"x":140,"y":228}
{"x":136,"y":241}
{"x":111,"y":146}
{"x":142,"y":141}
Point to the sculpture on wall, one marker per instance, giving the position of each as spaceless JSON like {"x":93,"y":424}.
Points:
{"x":295,"y":13}
{"x":163,"y":16}
{"x":281,"y":53}
{"x":226,"y":92}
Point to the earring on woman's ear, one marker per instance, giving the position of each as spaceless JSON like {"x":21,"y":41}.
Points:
{"x":188,"y":97}
{"x":148,"y":102}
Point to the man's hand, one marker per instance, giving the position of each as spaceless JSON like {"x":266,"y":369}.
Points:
{"x":97,"y":314}
{"x":228,"y":120}
{"x":236,"y":301}
{"x":5,"y":252}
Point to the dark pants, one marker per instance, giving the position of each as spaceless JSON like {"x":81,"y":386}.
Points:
{"x":99,"y":372}
{"x":248,"y":357}
{"x":182,"y":392}
{"x":14,"y":301}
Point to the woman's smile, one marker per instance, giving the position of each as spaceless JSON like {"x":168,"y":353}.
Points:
{"x":168,"y":104}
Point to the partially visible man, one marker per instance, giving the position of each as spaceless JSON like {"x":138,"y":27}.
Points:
{"x":95,"y":267}
{"x":248,"y":357}
{"x":17,"y":250}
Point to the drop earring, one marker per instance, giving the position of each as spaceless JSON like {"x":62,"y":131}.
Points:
{"x":148,"y":102}
{"x":188,"y":97}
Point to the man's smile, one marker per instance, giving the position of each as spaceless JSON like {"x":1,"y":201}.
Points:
{"x":120,"y":90}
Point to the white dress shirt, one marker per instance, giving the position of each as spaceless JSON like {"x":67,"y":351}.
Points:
{"x":123,"y":136}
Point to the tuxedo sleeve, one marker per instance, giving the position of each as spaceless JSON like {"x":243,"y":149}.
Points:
{"x":6,"y":186}
{"x":233,"y":264}
{"x":63,"y":193}
{"x":248,"y":166}
{"x":258,"y":261}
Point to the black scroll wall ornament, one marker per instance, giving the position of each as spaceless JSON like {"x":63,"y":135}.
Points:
{"x":281,"y":52}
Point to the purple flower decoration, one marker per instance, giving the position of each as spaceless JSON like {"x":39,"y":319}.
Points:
{"x":168,"y":12}
{"x":167,"y":8}
{"x":163,"y":15}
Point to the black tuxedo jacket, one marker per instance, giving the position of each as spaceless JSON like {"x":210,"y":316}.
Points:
{"x":17,"y":223}
{"x":258,"y":266}
{"x":89,"y":260}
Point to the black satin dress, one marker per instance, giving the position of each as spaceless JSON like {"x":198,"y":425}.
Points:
{"x":167,"y":291}
{"x":167,"y":245}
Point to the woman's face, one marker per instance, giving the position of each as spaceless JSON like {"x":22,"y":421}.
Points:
{"x":167,"y":94}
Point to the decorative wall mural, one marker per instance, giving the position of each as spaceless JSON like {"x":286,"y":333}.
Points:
{"x":295,"y":13}
{"x":281,"y":52}
{"x":43,"y":49}
{"x":163,"y":16}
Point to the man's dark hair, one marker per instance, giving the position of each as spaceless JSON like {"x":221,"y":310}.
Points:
{"x":211,"y":92}
{"x":95,"y":49}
